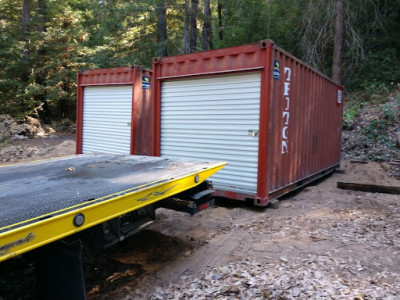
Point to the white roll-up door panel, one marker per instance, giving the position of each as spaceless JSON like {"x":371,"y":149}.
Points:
{"x":107,"y":112}
{"x":213,"y":118}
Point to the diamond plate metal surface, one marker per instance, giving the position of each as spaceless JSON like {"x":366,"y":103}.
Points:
{"x":32,"y":190}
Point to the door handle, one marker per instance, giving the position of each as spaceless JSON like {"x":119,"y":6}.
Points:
{"x":253,"y":132}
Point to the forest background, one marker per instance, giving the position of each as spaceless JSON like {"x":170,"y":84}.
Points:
{"x":43,"y":43}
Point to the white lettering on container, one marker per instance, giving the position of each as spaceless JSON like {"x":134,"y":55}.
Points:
{"x":284,"y":134}
{"x":287,"y":85}
{"x":289,"y":71}
{"x":287,"y":103}
{"x":284,"y":147}
{"x":285,"y":115}
{"x":286,"y":112}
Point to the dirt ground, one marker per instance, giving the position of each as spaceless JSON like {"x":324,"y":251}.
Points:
{"x":62,"y":144}
{"x":321,"y":243}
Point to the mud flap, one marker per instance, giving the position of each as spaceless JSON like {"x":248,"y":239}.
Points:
{"x":59,"y":272}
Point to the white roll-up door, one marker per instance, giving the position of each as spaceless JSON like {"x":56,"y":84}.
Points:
{"x":107,"y":112}
{"x":216,"y":119}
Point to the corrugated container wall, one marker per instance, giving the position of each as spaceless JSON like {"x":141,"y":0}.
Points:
{"x":274,"y":119}
{"x":114,"y":111}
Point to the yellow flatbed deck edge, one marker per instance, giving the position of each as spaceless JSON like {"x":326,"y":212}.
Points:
{"x":45,"y":229}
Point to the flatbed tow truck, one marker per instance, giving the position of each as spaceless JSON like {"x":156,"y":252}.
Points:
{"x":52,"y":206}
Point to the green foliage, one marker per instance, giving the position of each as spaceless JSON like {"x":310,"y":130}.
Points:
{"x":48,"y":79}
{"x":375,"y":87}
{"x":350,"y":112}
{"x":254,"y":20}
{"x":79,"y":35}
{"x":389,"y":112}
{"x":4,"y":143}
{"x":377,"y":72}
{"x":379,"y":26}
{"x":85,"y":34}
{"x":372,"y":127}
{"x":397,"y":98}
{"x":377,"y":131}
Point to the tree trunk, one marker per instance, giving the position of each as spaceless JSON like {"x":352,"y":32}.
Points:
{"x":207,"y":32}
{"x":26,"y":12}
{"x":42,"y":13}
{"x":193,"y":26}
{"x":42,"y":8}
{"x":338,"y":46}
{"x":162,"y":29}
{"x":186,"y":48}
{"x":220,"y":33}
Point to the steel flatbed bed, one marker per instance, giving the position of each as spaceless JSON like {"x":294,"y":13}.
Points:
{"x":44,"y":201}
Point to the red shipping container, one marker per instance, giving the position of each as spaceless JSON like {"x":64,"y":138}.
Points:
{"x":114,"y":111}
{"x":276,"y":120}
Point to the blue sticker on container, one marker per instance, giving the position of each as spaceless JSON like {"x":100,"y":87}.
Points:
{"x":276,"y":69}
{"x":339,"y":96}
{"x":145,"y":82}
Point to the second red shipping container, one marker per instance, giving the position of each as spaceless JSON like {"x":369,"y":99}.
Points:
{"x":274,"y":119}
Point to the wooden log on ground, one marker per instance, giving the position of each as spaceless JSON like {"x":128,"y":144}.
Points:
{"x":372,"y":188}
{"x":340,"y":171}
{"x":358,"y":161}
